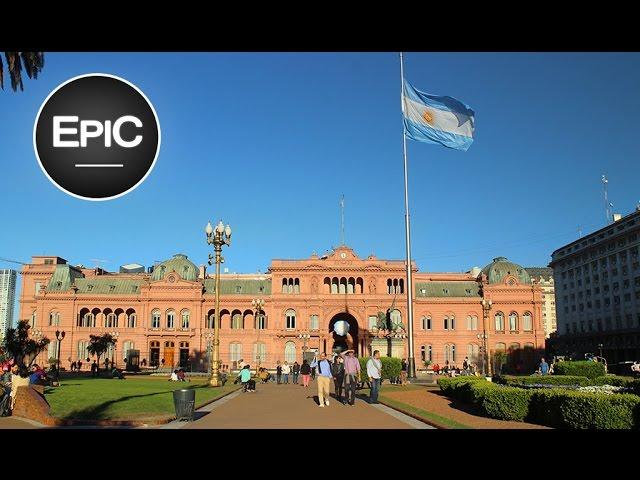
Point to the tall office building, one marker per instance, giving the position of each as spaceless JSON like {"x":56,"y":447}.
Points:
{"x":7,"y":299}
{"x":597,"y":279}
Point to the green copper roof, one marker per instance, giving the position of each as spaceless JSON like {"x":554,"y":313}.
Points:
{"x":110,"y":286}
{"x":62,"y":278}
{"x":179,"y":264}
{"x":447,"y":289}
{"x":497,"y":270}
{"x":238,"y":287}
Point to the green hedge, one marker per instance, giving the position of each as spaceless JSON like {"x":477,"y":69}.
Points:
{"x":556,"y":408}
{"x":615,"y":380}
{"x":581,"y":368}
{"x":391,"y":367}
{"x":505,"y":403}
{"x":544,"y":380}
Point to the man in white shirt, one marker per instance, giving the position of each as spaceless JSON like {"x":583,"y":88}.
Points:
{"x":374,"y":371}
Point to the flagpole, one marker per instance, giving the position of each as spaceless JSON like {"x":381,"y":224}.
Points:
{"x":412,"y":362}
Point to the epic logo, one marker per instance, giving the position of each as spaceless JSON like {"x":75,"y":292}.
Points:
{"x":96,"y":137}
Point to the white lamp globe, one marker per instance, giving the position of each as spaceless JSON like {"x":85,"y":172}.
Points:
{"x":341,"y":327}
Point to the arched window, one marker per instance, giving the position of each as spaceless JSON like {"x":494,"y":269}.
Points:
{"x":171,"y":317}
{"x":211,"y":319}
{"x":126,"y":346}
{"x":449,"y":322}
{"x":259,"y":352}
{"x":34,"y":318}
{"x":426,"y":322}
{"x":235,"y":351}
{"x":155,"y":319}
{"x":343,"y":286}
{"x":54,"y":318}
{"x":334,"y":285}
{"x":473,"y":353}
{"x":285,"y":287}
{"x":290,"y":316}
{"x":110,"y":320}
{"x":513,"y":321}
{"x":327,"y":285}
{"x":499,"y":319}
{"x":396,"y":317}
{"x":401,"y":282}
{"x":450,"y":352}
{"x":132,"y":320}
{"x":261,"y":321}
{"x":527,"y":323}
{"x":296,"y":285}
{"x":290,"y":352}
{"x":83,"y":353}
{"x":185,"y":318}
{"x":53,"y":349}
{"x":472,"y":322}
{"x":389,"y":286}
{"x":426,"y":353}
{"x":351,"y":285}
{"x":236,"y":320}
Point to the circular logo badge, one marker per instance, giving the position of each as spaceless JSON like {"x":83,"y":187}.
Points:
{"x":96,"y":137}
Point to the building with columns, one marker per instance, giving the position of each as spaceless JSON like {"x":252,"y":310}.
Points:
{"x":168,"y":315}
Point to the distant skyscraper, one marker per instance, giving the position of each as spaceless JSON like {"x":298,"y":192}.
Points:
{"x":544,"y":276}
{"x":7,"y":299}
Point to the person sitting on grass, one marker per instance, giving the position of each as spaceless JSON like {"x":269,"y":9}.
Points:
{"x":182,"y":377}
{"x":174,"y":376}
{"x":116,"y":373}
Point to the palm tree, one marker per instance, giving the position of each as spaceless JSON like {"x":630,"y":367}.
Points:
{"x":31,"y":61}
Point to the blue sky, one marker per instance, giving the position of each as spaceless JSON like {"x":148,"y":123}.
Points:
{"x":270,"y":142}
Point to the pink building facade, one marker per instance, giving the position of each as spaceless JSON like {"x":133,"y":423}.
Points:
{"x":167,"y":315}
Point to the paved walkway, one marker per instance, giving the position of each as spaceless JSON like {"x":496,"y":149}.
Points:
{"x":15,"y":422}
{"x":293,"y":406}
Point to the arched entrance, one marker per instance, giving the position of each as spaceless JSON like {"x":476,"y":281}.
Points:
{"x":346,"y":336}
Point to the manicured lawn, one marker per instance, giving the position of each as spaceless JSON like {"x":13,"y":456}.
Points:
{"x":135,"y":398}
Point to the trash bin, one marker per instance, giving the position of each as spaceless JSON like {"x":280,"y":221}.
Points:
{"x":185,"y":403}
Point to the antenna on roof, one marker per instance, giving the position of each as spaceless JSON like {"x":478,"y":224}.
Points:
{"x":607,"y":205}
{"x":98,"y":261}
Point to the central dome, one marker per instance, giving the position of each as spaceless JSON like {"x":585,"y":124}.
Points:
{"x":179,"y":264}
{"x":501,"y":267}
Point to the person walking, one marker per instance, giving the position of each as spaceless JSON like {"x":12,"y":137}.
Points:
{"x":351,"y":375}
{"x":305,"y":371}
{"x":286,"y":370}
{"x":296,"y":372}
{"x":374,"y":372}
{"x":337,"y":369}
{"x":323,"y":367}
{"x":278,"y":372}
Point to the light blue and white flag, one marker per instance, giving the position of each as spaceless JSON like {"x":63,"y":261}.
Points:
{"x":434,"y":119}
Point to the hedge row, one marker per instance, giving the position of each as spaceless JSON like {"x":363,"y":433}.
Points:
{"x":554,"y":408}
{"x":582,"y":368}
{"x":544,"y":380}
{"x":391,"y":367}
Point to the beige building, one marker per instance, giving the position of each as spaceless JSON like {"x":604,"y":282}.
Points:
{"x":544,"y":277}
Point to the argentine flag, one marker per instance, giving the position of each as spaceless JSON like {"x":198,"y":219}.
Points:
{"x":433,"y":119}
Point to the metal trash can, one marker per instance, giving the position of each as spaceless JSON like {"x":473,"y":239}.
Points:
{"x":185,"y":403}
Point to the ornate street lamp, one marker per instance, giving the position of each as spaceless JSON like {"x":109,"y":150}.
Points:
{"x":59,"y":337}
{"x":218,"y":236}
{"x":305,"y":336}
{"x":258,"y":304}
{"x":486,"y":308}
{"x":113,"y":354}
{"x":209,"y":336}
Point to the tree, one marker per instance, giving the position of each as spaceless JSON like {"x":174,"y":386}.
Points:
{"x":31,"y":61}
{"x":23,"y":349}
{"x":99,"y":344}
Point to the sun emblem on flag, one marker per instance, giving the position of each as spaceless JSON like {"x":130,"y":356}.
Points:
{"x":428,"y":117}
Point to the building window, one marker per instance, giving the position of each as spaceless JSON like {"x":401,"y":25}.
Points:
{"x":132,"y":320}
{"x":499,"y":320}
{"x":261,"y":322}
{"x":513,"y":321}
{"x":396,"y":318}
{"x":238,"y":288}
{"x":236,"y":321}
{"x":235,"y":352}
{"x":472,"y":322}
{"x":426,"y":353}
{"x":290,"y":316}
{"x":54,"y":319}
{"x":373,"y":322}
{"x":290,"y":352}
{"x":426,"y":323}
{"x":53,"y":349}
{"x":155,"y":319}
{"x":473,"y":353}
{"x":126,"y":346}
{"x":185,"y":318}
{"x":83,"y":353}
{"x":259,"y":352}
{"x":450,"y":353}
{"x":171,"y":315}
{"x":314,"y":322}
{"x":527,"y":324}
{"x":111,"y":321}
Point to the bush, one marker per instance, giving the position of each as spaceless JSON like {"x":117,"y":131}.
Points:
{"x":544,"y":407}
{"x":391,"y":367}
{"x":581,"y":410}
{"x":615,"y":380}
{"x":586,"y":368}
{"x":449,"y":385}
{"x":505,"y":403}
{"x":544,"y":380}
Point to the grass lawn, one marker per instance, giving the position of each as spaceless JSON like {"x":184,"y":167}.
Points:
{"x":135,"y":398}
{"x":418,"y":412}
